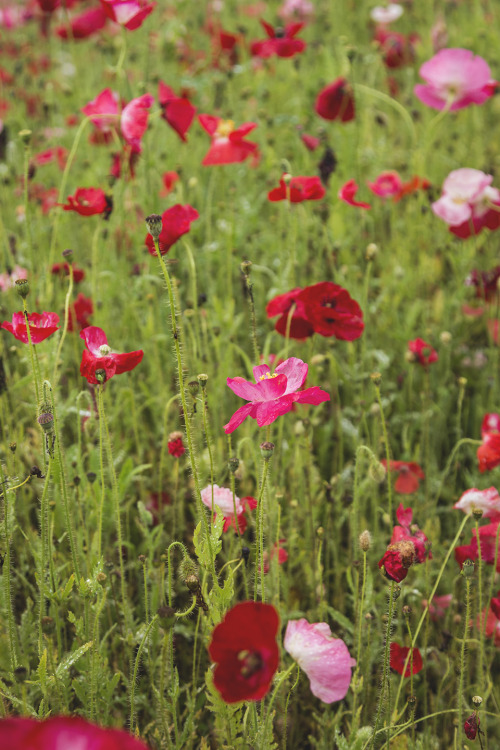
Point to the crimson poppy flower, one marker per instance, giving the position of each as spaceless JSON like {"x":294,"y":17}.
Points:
{"x":84,"y":24}
{"x":407,"y":531}
{"x":423,"y":352}
{"x":80,"y":312}
{"x":175,"y":445}
{"x":244,"y":648}
{"x":224,"y":47}
{"x":299,"y":327}
{"x":398,"y":656}
{"x":128,"y":13}
{"x":336,"y":101}
{"x":134,"y":120}
{"x":42,"y":325}
{"x":408,"y":477}
{"x":298,"y":189}
{"x":396,"y":561}
{"x":169,"y":179}
{"x":62,"y":269}
{"x":63,"y":732}
{"x":176,"y":221}
{"x":280,"y":42}
{"x":228,"y":142}
{"x":471,"y":726}
{"x":332,"y":311}
{"x":387,"y":185}
{"x":347,"y":194}
{"x":488,"y":454}
{"x":178,"y":111}
{"x":89,"y":202}
{"x":98,"y":356}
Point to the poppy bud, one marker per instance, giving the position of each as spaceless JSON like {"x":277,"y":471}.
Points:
{"x":193,"y":388}
{"x":187,"y":568}
{"x":407,"y":610}
{"x":13,"y":447}
{"x":46,"y":422}
{"x":245,"y":553}
{"x":371,"y":251}
{"x":471,"y":726}
{"x":202,"y":380}
{"x":365,"y":540}
{"x":22,"y":287}
{"x":100,"y":376}
{"x":233,"y":464}
{"x":266,"y":450}
{"x":91,"y":476}
{"x":101,"y":578}
{"x":377,"y":471}
{"x":25,"y":136}
{"x":376,"y":378}
{"x":167,"y":616}
{"x":477,"y":513}
{"x":155,"y":224}
{"x":68,"y":254}
{"x":468,"y":568}
{"x":193,"y":583}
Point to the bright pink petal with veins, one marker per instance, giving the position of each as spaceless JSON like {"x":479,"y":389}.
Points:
{"x":94,"y":338}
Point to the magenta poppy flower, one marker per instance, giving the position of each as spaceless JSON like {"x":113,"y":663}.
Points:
{"x":486,"y":500}
{"x":245,"y":650}
{"x":422,"y":352}
{"x":176,"y":221}
{"x":42,"y":325}
{"x":324,"y":659}
{"x":106,"y":108}
{"x":454,"y":79}
{"x":471,"y":726}
{"x":178,"y":111}
{"x":228,"y":142}
{"x":280,"y":42}
{"x":398,"y":656}
{"x":88,"y":202}
{"x":128,"y":13}
{"x":348,"y":192}
{"x":134,"y":120}
{"x":336,"y":101}
{"x":409,"y":474}
{"x":66,"y":732}
{"x":387,"y":185}
{"x":98,"y":356}
{"x":468,"y":202}
{"x":273,"y":395}
{"x":84,"y":24}
{"x":299,"y":189}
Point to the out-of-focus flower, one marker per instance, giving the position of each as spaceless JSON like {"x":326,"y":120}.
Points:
{"x":62,"y":269}
{"x":176,"y":222}
{"x":468,"y":202}
{"x":280,"y":42}
{"x":438,"y":606}
{"x":486,"y":500}
{"x":8,"y":278}
{"x":89,"y":202}
{"x":487,"y":540}
{"x":398,"y":656}
{"x":59,"y":154}
{"x":409,"y":473}
{"x":169,"y":180}
{"x":80,"y":312}
{"x":397,"y":49}
{"x":488,"y":454}
{"x":422,"y":352}
{"x":485,"y":283}
{"x":134,"y":120}
{"x":228,"y":142}
{"x":63,"y":732}
{"x":296,"y":10}
{"x":276,"y":551}
{"x":177,"y":111}
{"x":175,"y":445}
{"x":310,"y":141}
{"x":471,"y":726}
{"x":41,"y":326}
{"x":386,"y":14}
{"x":298,"y":189}
{"x":348,"y":192}
{"x":490,"y":423}
{"x":84,"y":24}
{"x":336,"y":101}
{"x":97,"y":356}
{"x":387,"y":185}
{"x":223,"y":498}
{"x":128,"y":13}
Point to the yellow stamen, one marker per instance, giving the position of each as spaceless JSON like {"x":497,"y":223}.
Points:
{"x":224,"y":128}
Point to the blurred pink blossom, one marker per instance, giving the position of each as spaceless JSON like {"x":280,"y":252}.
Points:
{"x":486,"y":500}
{"x":8,"y":280}
{"x":386,"y":14}
{"x":468,"y":202}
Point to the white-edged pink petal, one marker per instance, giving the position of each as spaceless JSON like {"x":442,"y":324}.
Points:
{"x":486,"y":500}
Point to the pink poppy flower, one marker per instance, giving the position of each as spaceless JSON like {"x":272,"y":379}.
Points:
{"x":59,"y":154}
{"x":468,"y":202}
{"x":299,"y":189}
{"x":408,"y":531}
{"x":42,"y":325}
{"x":8,"y":278}
{"x":273,"y":395}
{"x":336,"y":101}
{"x":176,"y":222}
{"x":106,"y":107}
{"x":409,"y":474}
{"x":422,"y":352}
{"x":134,"y":120}
{"x":387,"y":185}
{"x":310,"y":141}
{"x":128,"y":13}
{"x":486,"y":500}
{"x":398,"y":656}
{"x":347,"y":194}
{"x":60,"y":732}
{"x":228,"y":143}
{"x":178,"y":111}
{"x":223,"y":498}
{"x":280,"y":42}
{"x":84,"y":24}
{"x":324,"y":659}
{"x":98,"y":356}
{"x":454,"y":79}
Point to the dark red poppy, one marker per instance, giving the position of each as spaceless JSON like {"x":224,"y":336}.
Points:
{"x":228,"y":142}
{"x":84,"y":24}
{"x":80,"y":312}
{"x":89,"y":202}
{"x":347,"y":194}
{"x":178,"y":111}
{"x":471,"y":726}
{"x":298,"y":189}
{"x":332,"y":312}
{"x":63,"y":731}
{"x":49,"y":6}
{"x":176,"y":221}
{"x":128,"y":13}
{"x":280,"y":41}
{"x":409,"y":473}
{"x":423,"y":352}
{"x":98,"y":356}
{"x":42,"y":325}
{"x":397,"y":560}
{"x":245,"y":650}
{"x":398,"y":656}
{"x":175,"y":444}
{"x":336,"y":101}
{"x":62,"y":269}
{"x":300,"y":326}
{"x":408,"y":531}
{"x":397,"y":49}
{"x":488,"y":454}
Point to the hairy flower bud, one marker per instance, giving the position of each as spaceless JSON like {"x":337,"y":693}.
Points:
{"x":365,"y":540}
{"x":266,"y":450}
{"x":22,"y":287}
{"x":154,"y":224}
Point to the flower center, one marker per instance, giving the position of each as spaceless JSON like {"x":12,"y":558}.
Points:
{"x":104,"y":350}
{"x":251,"y":662}
{"x":224,"y":128}
{"x":268,"y":376}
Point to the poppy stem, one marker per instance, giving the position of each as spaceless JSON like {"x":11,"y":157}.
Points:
{"x":259,"y":541}
{"x":386,"y":443}
{"x":44,"y":512}
{"x":6,"y":573}
{"x":462,"y":655}
{"x":65,"y":326}
{"x":34,"y":369}
{"x":385,"y":669}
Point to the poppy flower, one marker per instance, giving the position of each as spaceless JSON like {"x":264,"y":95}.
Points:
{"x":273,"y":395}
{"x":310,"y":141}
{"x":223,"y":498}
{"x":177,"y":111}
{"x":336,"y":101}
{"x":276,"y":551}
{"x":298,"y":9}
{"x":280,"y":42}
{"x":134,"y":120}
{"x":98,"y":356}
{"x":299,"y":327}
{"x":175,"y":445}
{"x":41,"y":325}
{"x":468,"y":202}
{"x":409,"y":474}
{"x":387,"y":185}
{"x":88,"y":202}
{"x":325,"y":660}
{"x":471,"y":726}
{"x":332,"y":311}
{"x":397,"y":560}
{"x":103,"y":112}
{"x":169,"y":180}
{"x":63,"y":731}
{"x":408,"y":531}
{"x":487,"y":540}
{"x":438,"y":606}
{"x":62,"y":269}
{"x":455,"y":78}
{"x":397,"y":49}
{"x":128,"y":13}
{"x":84,"y":24}
{"x":80,"y":312}
{"x":347,"y":194}
{"x":156,"y":504}
{"x":386,"y":14}
{"x":486,"y":500}
{"x":490,"y":423}
{"x":488,"y":454}
{"x":228,"y":142}
{"x":8,"y":278}
{"x":422,"y":352}
{"x":398,"y":656}
{"x":58,"y":154}
{"x":245,"y":650}
{"x":484,"y":282}
{"x":176,"y":221}
{"x":297,"y":190}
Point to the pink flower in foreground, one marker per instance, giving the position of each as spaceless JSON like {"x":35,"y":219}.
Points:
{"x":486,"y":500}
{"x":454,"y":79}
{"x":273,"y":395}
{"x":324,"y":659}
{"x":468,"y":202}
{"x":128,"y":13}
{"x":347,"y":194}
{"x":98,"y":356}
{"x":63,"y":733}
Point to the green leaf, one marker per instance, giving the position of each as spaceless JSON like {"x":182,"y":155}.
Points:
{"x":72,"y":658}
{"x":341,"y":619}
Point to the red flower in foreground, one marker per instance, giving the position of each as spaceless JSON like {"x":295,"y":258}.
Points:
{"x":347,"y":194}
{"x":178,"y":111}
{"x":280,"y":42}
{"x":471,"y":726}
{"x":98,"y":356}
{"x":42,"y":325}
{"x":409,"y":474}
{"x":298,"y":189}
{"x":397,"y":560}
{"x":63,"y":732}
{"x":423,"y":352}
{"x":228,"y":143}
{"x":244,"y":648}
{"x":398,"y":658}
{"x":128,"y":13}
{"x":336,"y":101}
{"x":89,"y":202}
{"x":176,"y":221}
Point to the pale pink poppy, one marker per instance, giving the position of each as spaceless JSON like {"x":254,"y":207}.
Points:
{"x":386,"y":14}
{"x":223,"y":497}
{"x":324,"y":659}
{"x":454,"y":79}
{"x":8,"y":280}
{"x":486,"y":500}
{"x":468,"y":202}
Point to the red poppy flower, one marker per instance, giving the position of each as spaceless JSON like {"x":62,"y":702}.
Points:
{"x":347,"y":194}
{"x":276,"y":551}
{"x":397,"y":49}
{"x":408,"y":473}
{"x":487,"y":540}
{"x":175,"y":445}
{"x":63,"y":732}
{"x":310,"y":141}
{"x":244,"y":648}
{"x":423,"y":352}
{"x":407,"y":531}
{"x":484,"y":282}
{"x":156,"y":504}
{"x":336,"y":101}
{"x":58,"y":154}
{"x":80,"y":312}
{"x":83,"y":25}
{"x":88,"y":202}
{"x":42,"y":325}
{"x":128,"y":13}
{"x":98,"y":356}
{"x":62,"y":269}
{"x":134,"y":120}
{"x":298,"y":189}
{"x":169,"y":180}
{"x":398,"y":655}
{"x":178,"y":111}
{"x":224,"y":47}
{"x":49,"y":6}
{"x":490,"y":423}
{"x":488,"y":454}
{"x":332,"y":311}
{"x":176,"y":221}
{"x":471,"y":726}
{"x":280,"y":42}
{"x":397,"y":560}
{"x":300,"y":327}
{"x":228,"y":143}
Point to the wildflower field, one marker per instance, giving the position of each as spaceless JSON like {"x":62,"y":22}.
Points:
{"x":249,"y":375}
